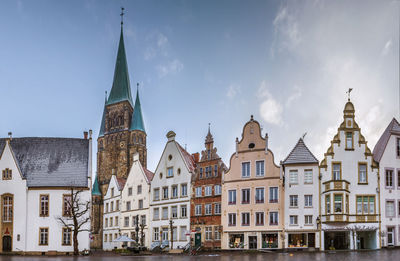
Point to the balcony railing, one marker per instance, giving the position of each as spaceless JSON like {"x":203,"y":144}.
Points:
{"x":336,"y":185}
{"x":349,"y":218}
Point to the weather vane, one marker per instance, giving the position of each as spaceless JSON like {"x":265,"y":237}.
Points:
{"x":304,"y":135}
{"x":122,"y":15}
{"x":348,"y":92}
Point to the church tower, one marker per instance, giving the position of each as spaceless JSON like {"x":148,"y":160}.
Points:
{"x":122,"y":132}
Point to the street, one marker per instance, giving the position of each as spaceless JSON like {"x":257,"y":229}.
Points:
{"x":229,"y":256}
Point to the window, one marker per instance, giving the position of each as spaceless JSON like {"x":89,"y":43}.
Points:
{"x":156,"y":214}
{"x":273,"y":218}
{"x":259,"y":195}
{"x":206,"y":170}
{"x":117,"y":205}
{"x":111,"y":222}
{"x":293,"y":220}
{"x":217,"y":189}
{"x":156,"y":234}
{"x":389,"y":178}
{"x":139,"y":189}
{"x":349,"y":140}
{"x":165,"y":213}
{"x":338,"y":204}
{"x":365,"y":205}
{"x":245,"y":196}
{"x":156,"y":194}
{"x":308,"y":201}
{"x":259,"y":218}
{"x":197,"y":210}
{"x":174,"y":212}
{"x":112,"y":206}
{"x":308,"y":176}
{"x":208,"y":233}
{"x":208,"y":191}
{"x":43,"y":236}
{"x":112,"y":192}
{"x":327,"y":204}
{"x":398,"y":147}
{"x":116,"y":221}
{"x":390,"y":211}
{"x":208,"y":154}
{"x":7,"y":174}
{"x":44,"y":205}
{"x":183,"y":190}
{"x":201,"y":173}
{"x":130,"y":191}
{"x":245,"y":169}
{"x":362,"y":173}
{"x":232,"y":197}
{"x":106,"y":222}
{"x":165,"y":192}
{"x":198,"y":191}
{"x":293,"y":199}
{"x":308,"y":220}
{"x":66,"y":236}
{"x":217,"y":208}
{"x":128,"y":205}
{"x":126,"y":221}
{"x":215,"y":170}
{"x":105,"y":237}
{"x":183,"y":211}
{"x":232,"y":219}
{"x":217,"y":234}
{"x":106,"y":207}
{"x":293,"y":177}
{"x":273,"y":195}
{"x":174,"y":191}
{"x":208,"y":209}
{"x":170,"y":172}
{"x":140,"y":203}
{"x":183,"y":233}
{"x":337,"y":175}
{"x":260,"y":168}
{"x":7,"y":209}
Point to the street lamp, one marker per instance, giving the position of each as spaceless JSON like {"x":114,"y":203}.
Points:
{"x":171,"y":222}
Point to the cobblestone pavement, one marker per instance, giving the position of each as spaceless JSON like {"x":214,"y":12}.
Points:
{"x":391,"y":254}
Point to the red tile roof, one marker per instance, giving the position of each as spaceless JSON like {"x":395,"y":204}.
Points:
{"x":121,"y":183}
{"x":188,"y":158}
{"x":149,"y":174}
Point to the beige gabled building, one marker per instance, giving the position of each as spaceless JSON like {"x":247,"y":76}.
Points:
{"x":252,"y":195}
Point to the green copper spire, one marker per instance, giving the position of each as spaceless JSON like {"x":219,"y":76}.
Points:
{"x":121,"y":89}
{"x":96,"y":188}
{"x":103,"y":120}
{"x":137,"y":118}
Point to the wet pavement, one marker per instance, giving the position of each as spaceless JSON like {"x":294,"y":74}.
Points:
{"x":381,"y":255}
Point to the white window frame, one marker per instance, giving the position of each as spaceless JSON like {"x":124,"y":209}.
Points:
{"x":249,"y":169}
{"x":262,"y":173}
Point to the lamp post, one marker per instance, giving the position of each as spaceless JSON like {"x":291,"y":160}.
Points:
{"x":171,"y":222}
{"x":137,"y":228}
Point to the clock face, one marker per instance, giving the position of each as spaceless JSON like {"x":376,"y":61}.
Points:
{"x":121,"y":144}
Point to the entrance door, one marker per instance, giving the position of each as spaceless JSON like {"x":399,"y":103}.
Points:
{"x":311,"y":239}
{"x":197,"y":239}
{"x":252,"y":242}
{"x":6,"y":244}
{"x":390,"y":236}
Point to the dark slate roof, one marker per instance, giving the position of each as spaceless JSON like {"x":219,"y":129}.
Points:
{"x":103,"y":122}
{"x":300,"y":154}
{"x":2,"y":143}
{"x":379,"y":149}
{"x":121,"y":88}
{"x":137,"y":117}
{"x":52,"y":162}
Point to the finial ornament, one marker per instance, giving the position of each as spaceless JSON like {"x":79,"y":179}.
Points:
{"x":304,"y":135}
{"x":209,"y":124}
{"x":348,"y":93}
{"x":122,"y":15}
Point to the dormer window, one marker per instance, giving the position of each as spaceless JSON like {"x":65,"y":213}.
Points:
{"x":398,"y":147}
{"x":349,"y":140}
{"x":7,"y":174}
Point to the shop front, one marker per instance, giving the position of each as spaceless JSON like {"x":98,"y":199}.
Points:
{"x":337,"y":240}
{"x":366,"y":240}
{"x":236,"y":241}
{"x":269,"y":240}
{"x":300,"y":240}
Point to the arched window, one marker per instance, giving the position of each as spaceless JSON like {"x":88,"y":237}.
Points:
{"x":134,"y":138}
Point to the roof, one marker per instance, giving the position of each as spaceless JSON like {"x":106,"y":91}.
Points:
{"x":103,"y":121}
{"x":379,"y":149}
{"x":149,"y":174}
{"x":52,"y":162}
{"x":137,"y":117}
{"x":121,"y":89}
{"x":121,"y":183}
{"x":188,"y":158}
{"x":96,"y":187}
{"x":300,"y":154}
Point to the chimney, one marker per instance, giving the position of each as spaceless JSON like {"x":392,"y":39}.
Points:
{"x":266,"y":143}
{"x":90,"y":134}
{"x":10,"y":135}
{"x":85,"y":135}
{"x":237,"y":146}
{"x":196,"y":157}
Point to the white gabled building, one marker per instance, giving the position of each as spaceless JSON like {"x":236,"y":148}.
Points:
{"x":349,"y":190}
{"x":170,"y":194}
{"x":37,"y":175}
{"x":111,"y":217}
{"x":300,"y":171}
{"x":387,"y":154}
{"x":136,"y":203}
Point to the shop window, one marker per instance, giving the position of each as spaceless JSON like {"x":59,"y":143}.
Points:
{"x":297,"y":240}
{"x":236,"y":241}
{"x":270,"y":240}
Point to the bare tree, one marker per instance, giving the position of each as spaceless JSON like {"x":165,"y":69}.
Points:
{"x":75,"y":215}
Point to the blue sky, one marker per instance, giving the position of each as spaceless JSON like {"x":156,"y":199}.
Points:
{"x":287,"y":62}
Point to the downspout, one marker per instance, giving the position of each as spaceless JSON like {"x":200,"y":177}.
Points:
{"x":319,"y":209}
{"x":90,"y":181}
{"x":379,"y":206}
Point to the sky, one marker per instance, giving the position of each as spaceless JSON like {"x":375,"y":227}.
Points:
{"x":288,"y":63}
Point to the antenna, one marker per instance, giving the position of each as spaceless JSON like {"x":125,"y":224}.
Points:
{"x":122,"y":15}
{"x":348,"y":92}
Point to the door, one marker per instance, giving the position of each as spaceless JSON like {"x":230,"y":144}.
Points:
{"x":197,"y":239}
{"x":390,"y":236}
{"x":6,"y":244}
{"x":311,"y":239}
{"x":252,"y":242}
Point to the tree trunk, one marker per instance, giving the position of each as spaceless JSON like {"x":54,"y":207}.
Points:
{"x":76,"y":249}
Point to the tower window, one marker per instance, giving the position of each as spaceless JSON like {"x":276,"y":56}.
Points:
{"x":251,"y":145}
{"x":349,"y":140}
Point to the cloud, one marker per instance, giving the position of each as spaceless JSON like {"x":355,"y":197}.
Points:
{"x":233,"y":90}
{"x":270,"y":109}
{"x":158,"y":45}
{"x":386,"y":49}
{"x":172,"y":67}
{"x":296,"y":94}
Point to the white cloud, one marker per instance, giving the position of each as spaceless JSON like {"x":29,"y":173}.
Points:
{"x":233,"y":90}
{"x":270,"y":109}
{"x":286,"y":29}
{"x":172,"y":67}
{"x":386,"y":49}
{"x":296,"y":94}
{"x":158,"y":45}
